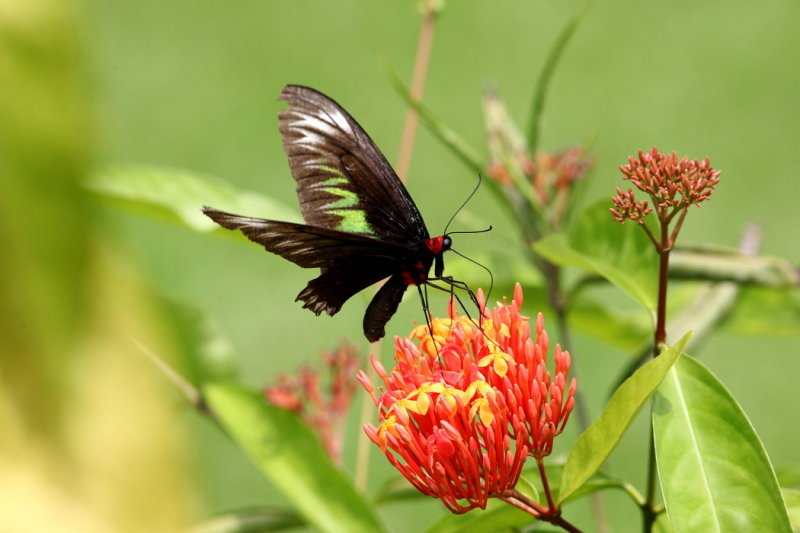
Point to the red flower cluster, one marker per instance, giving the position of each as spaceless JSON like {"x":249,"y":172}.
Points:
{"x":325,"y":412}
{"x":673,"y":185}
{"x":461,"y":411}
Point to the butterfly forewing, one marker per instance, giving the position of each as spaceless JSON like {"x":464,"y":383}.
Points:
{"x":344,"y":182}
{"x":310,"y":246}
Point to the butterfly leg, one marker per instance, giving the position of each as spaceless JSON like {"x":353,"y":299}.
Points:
{"x":449,"y":290}
{"x":422,"y":288}
{"x":455,"y":284}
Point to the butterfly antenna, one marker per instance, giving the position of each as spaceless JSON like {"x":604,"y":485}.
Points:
{"x":480,"y":179}
{"x":473,"y":231}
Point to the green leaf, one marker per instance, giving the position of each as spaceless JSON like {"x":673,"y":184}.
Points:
{"x":621,"y":253}
{"x":603,"y":321}
{"x":497,"y":517}
{"x":597,"y":442}
{"x":448,"y":137}
{"x":662,"y":525}
{"x":546,"y":75}
{"x":453,"y":142}
{"x":256,"y":520}
{"x":177,"y":195}
{"x":600,"y":319}
{"x":288,"y":453}
{"x":556,"y":248}
{"x":207,"y":354}
{"x":598,"y":482}
{"x":713,"y":264}
{"x":714,"y":472}
{"x":792,"y":499}
{"x":527,"y":489}
{"x":601,"y":481}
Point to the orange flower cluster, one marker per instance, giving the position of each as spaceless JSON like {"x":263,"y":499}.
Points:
{"x":464,"y":407}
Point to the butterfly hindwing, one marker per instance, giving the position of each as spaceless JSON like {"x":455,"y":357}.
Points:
{"x":344,"y":182}
{"x":382,"y":307}
{"x":334,"y":286}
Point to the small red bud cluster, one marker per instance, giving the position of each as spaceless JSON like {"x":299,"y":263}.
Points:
{"x":626,"y":207}
{"x":672,"y":183}
{"x":324,"y":412}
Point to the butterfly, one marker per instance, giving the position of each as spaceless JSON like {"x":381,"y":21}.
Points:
{"x":361,"y":224}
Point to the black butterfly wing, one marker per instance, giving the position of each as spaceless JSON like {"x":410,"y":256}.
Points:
{"x":334,"y":286}
{"x":349,"y":263}
{"x":344,"y":182}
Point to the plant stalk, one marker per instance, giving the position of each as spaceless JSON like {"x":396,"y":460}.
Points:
{"x":660,"y":337}
{"x":424,"y":47}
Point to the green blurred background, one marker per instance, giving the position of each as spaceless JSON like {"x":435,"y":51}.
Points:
{"x":193,"y":85}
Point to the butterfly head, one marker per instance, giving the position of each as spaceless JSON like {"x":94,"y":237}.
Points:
{"x":439,"y":245}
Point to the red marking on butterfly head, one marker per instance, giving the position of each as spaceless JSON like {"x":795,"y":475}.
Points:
{"x":440,"y":244}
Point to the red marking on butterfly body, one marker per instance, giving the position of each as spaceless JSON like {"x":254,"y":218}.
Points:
{"x":415,"y":274}
{"x":436,"y":245}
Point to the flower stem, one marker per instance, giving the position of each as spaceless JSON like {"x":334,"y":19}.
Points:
{"x":559,"y":304}
{"x":660,"y":337}
{"x":424,"y":47}
{"x":664,"y":247}
{"x":515,"y":498}
{"x":518,"y":500}
{"x":546,"y":485}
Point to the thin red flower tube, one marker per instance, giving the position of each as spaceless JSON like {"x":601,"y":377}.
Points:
{"x":458,"y":418}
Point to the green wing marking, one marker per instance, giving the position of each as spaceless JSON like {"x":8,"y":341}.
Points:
{"x":353,"y":220}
